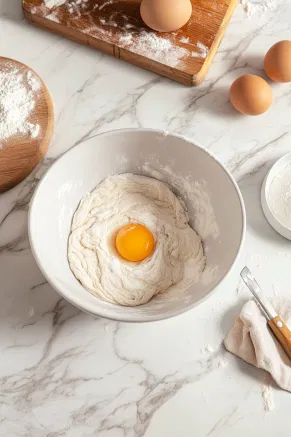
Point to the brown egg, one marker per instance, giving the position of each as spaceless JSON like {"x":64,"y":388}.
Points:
{"x":165,"y":15}
{"x":251,"y":95}
{"x":277,"y":62}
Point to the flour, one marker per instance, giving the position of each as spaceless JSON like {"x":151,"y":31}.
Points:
{"x":197,"y":200}
{"x":53,"y":3}
{"x":202,"y":51}
{"x":159,"y":48}
{"x":75,"y":5}
{"x":53,"y":16}
{"x":193,"y":193}
{"x":72,"y":6}
{"x":259,"y":7}
{"x":109,"y":2}
{"x":18,"y":94}
{"x":222,"y":362}
{"x":140,"y":41}
{"x":31,"y":312}
{"x":154,"y":47}
{"x":267,"y":394}
{"x":208,"y":349}
{"x":279,"y":196}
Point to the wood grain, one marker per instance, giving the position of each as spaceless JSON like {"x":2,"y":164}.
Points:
{"x":282,"y":333}
{"x":105,"y":25}
{"x":20,"y":154}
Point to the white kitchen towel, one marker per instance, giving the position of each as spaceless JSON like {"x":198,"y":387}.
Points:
{"x":251,"y":340}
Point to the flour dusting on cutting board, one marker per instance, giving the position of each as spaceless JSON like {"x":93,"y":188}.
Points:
{"x":18,"y":95}
{"x":149,"y":44}
{"x":202,"y":51}
{"x":53,"y":3}
{"x":138,"y":40}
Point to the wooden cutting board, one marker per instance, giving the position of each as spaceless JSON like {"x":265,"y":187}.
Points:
{"x":115,"y":27}
{"x":21,"y":150}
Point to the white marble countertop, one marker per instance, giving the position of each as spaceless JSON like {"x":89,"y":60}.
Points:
{"x":65,"y":373}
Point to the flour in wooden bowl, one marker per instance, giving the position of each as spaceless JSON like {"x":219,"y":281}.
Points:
{"x":18,"y":94}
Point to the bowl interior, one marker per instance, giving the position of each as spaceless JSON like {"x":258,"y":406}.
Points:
{"x":140,"y":152}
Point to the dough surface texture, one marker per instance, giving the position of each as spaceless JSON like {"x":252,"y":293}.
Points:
{"x":178,"y":258}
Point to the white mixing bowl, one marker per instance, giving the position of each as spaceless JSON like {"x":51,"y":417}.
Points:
{"x":145,"y":152}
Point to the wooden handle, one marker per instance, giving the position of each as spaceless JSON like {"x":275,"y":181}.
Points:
{"x":282,"y":333}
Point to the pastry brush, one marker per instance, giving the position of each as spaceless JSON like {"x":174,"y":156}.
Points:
{"x":276,"y":324}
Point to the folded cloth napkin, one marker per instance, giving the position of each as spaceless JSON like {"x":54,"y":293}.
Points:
{"x":251,"y":339}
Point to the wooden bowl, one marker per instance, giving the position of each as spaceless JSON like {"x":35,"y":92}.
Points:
{"x":20,"y":153}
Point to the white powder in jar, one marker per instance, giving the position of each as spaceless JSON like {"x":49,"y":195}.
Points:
{"x":279,"y":196}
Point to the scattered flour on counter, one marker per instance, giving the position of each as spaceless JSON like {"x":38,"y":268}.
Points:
{"x":259,"y":7}
{"x":31,"y":312}
{"x":18,"y":93}
{"x":267,"y":395}
{"x":222,"y":362}
{"x":208,"y":349}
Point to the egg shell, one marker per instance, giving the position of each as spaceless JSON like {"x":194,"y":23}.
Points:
{"x":277,"y":62}
{"x":165,"y":15}
{"x":251,"y":95}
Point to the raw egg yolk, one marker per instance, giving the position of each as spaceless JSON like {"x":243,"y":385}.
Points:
{"x":134,"y":242}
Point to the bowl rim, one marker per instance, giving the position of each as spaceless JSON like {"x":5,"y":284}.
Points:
{"x":281,"y":229}
{"x":133,"y":318}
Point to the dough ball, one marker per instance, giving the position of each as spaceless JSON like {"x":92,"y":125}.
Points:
{"x":165,"y":15}
{"x":176,"y":262}
{"x":277,"y":62}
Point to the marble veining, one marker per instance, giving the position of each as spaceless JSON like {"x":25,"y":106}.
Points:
{"x":65,"y":373}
